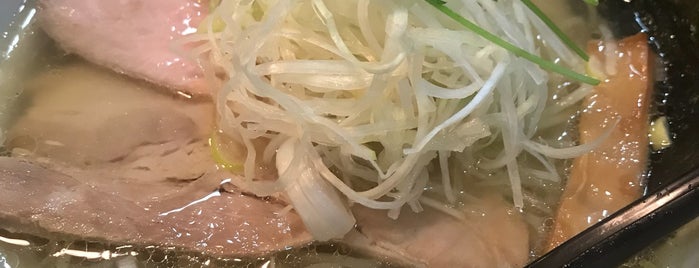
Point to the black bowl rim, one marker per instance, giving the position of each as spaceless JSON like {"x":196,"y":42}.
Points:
{"x":613,"y":240}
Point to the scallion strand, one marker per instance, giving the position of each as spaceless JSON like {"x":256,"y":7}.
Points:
{"x":544,"y":64}
{"x":566,"y":40}
{"x":592,"y":2}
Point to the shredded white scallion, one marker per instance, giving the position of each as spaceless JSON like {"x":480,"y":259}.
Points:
{"x":358,"y":98}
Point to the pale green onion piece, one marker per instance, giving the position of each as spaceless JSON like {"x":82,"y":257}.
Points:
{"x":592,"y":2}
{"x":217,"y":24}
{"x":213,"y":4}
{"x":659,"y":134}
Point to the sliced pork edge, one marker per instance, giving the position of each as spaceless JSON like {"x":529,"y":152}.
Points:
{"x":46,"y":203}
{"x":134,"y":37}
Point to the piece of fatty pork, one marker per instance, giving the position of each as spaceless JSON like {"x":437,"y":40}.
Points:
{"x":134,"y":37}
{"x":133,"y":168}
{"x":609,"y":177}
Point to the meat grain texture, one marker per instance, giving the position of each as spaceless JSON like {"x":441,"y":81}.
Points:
{"x":492,"y":235}
{"x":609,"y":178}
{"x":135,"y":37}
{"x":133,"y":168}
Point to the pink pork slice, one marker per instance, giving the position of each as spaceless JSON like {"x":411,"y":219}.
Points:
{"x":43,"y":202}
{"x":134,"y":37}
{"x":492,"y":235}
{"x":134,"y":168}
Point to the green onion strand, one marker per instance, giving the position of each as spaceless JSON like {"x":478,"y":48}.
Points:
{"x":544,"y":64}
{"x":592,"y":2}
{"x":566,"y":40}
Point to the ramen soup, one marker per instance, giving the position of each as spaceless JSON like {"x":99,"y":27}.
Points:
{"x":293,"y":133}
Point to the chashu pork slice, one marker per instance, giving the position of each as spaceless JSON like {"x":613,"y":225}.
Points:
{"x":609,"y":177}
{"x":136,"y":37}
{"x":102,"y":157}
{"x":493,"y":234}
{"x":196,"y":218}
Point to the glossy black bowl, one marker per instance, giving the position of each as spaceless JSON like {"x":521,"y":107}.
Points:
{"x":672,"y":196}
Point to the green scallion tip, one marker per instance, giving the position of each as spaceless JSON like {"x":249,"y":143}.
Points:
{"x":544,"y":64}
{"x":566,"y":40}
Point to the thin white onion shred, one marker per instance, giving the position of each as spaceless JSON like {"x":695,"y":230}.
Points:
{"x":573,"y":151}
{"x":369,"y":94}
